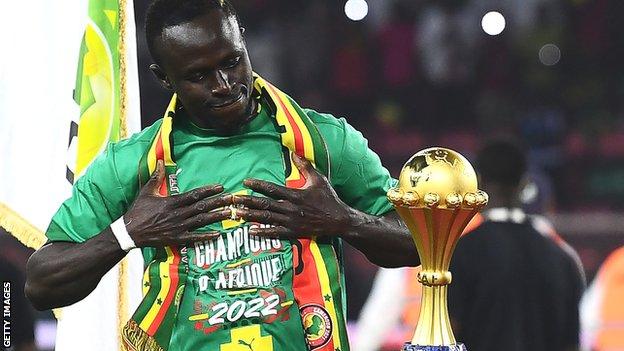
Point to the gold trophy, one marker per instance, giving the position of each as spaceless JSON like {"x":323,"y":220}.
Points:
{"x":437,"y":197}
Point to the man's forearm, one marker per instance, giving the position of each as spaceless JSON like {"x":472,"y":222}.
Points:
{"x":62,"y":273}
{"x":385,"y":240}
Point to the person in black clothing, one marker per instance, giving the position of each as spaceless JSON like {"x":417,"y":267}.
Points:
{"x":516,"y":287}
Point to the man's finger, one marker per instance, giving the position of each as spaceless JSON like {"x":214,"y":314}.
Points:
{"x":271,"y":190}
{"x":310,"y":174}
{"x":156,"y":179}
{"x":263,"y":203}
{"x":303,"y":164}
{"x":263,"y":216}
{"x":207,"y":205}
{"x":198,"y":194}
{"x":191,"y":237}
{"x":206,"y":218}
{"x":273,"y":232}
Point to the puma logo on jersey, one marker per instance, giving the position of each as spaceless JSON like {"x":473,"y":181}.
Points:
{"x":243,"y":342}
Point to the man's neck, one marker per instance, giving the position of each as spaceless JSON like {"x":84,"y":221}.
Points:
{"x":502,"y":196}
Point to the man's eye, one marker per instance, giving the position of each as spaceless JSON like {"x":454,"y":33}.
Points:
{"x":232,"y":62}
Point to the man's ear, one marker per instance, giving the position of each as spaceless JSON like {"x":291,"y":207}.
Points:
{"x":161,"y":76}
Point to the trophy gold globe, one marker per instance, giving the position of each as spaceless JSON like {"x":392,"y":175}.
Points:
{"x":436,"y":197}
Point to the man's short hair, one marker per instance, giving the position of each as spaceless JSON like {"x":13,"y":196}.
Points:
{"x":162,"y":14}
{"x":502,"y":162}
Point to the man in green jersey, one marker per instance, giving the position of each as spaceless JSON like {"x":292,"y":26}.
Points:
{"x":252,"y":245}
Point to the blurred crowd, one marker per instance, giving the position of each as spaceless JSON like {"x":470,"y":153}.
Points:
{"x":419,"y":72}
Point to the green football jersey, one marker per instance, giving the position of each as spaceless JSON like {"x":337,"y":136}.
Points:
{"x":238,"y":293}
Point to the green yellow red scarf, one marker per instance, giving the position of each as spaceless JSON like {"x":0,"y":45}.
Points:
{"x":318,"y":278}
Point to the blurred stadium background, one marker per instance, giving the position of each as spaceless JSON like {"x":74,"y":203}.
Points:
{"x":416,"y":73}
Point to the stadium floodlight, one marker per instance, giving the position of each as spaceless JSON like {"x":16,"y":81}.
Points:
{"x":356,"y":10}
{"x":493,"y":23}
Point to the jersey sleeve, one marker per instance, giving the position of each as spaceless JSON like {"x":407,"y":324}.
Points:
{"x":98,"y":198}
{"x":356,"y":172}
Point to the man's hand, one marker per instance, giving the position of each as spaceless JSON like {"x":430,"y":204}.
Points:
{"x":155,"y":220}
{"x":313,"y":210}
{"x":316,"y":210}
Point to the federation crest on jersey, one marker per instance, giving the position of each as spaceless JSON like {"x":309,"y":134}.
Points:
{"x":317,"y":325}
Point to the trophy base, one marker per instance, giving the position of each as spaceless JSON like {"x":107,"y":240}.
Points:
{"x":457,"y":347}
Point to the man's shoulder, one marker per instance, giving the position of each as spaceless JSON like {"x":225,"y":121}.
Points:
{"x":139,"y":139}
{"x":514,"y":236}
{"x":336,"y":130}
{"x":326,"y":121}
{"x":123,"y":155}
{"x":496,"y":239}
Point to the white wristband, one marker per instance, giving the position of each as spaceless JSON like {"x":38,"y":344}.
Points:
{"x":121,"y":234}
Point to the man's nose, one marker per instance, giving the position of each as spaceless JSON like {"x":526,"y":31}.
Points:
{"x":221,"y":85}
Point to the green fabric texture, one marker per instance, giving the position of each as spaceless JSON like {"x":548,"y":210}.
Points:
{"x":215,"y":301}
{"x":110,"y":184}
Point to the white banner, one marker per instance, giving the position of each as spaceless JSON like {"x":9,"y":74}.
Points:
{"x":40,"y":50}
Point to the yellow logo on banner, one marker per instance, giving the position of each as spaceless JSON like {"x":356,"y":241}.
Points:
{"x":97,"y":100}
